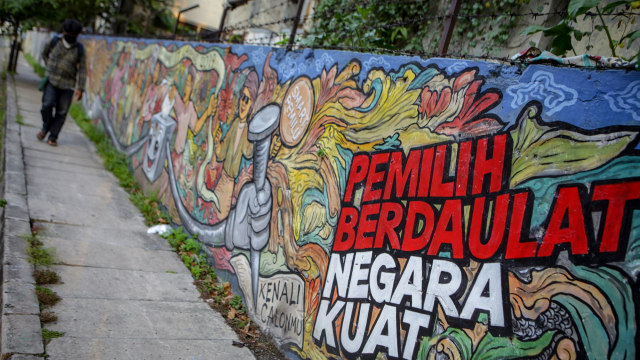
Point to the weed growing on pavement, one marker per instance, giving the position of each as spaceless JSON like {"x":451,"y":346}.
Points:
{"x":3,"y":202}
{"x":236,"y":303}
{"x":46,"y":296}
{"x":45,"y":276}
{"x":39,"y":69}
{"x":48,"y":317}
{"x":191,"y":254}
{"x":116,"y":162}
{"x":20,"y":119}
{"x":190,"y":251}
{"x":39,"y":255}
{"x":47,"y":335}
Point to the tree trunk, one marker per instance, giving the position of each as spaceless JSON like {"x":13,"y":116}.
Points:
{"x":13,"y":56}
{"x":15,"y":49}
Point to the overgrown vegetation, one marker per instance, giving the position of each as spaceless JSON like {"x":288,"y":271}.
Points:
{"x":48,"y":317}
{"x":117,"y":163}
{"x":371,"y":24}
{"x":20,"y":119}
{"x":477,"y":29}
{"x":42,"y":257}
{"x":414,"y":26}
{"x":565,"y":32}
{"x":47,"y":335}
{"x":38,"y":254}
{"x":46,"y":296}
{"x":46,"y":276}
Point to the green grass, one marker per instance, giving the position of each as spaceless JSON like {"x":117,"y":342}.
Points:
{"x":46,"y":297}
{"x":45,"y":276}
{"x":20,"y":119}
{"x":190,"y":251}
{"x":51,"y":334}
{"x":39,"y":255}
{"x":117,"y":163}
{"x":39,"y":69}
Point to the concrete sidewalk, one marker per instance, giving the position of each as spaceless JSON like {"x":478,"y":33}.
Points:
{"x":125,"y":294}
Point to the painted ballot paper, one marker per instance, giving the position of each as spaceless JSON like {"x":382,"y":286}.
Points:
{"x":372,"y":207}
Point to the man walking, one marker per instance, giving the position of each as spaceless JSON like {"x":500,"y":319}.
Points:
{"x":66,"y":70}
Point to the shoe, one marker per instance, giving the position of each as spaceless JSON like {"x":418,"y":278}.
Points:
{"x":41,"y":135}
{"x":52,"y":142}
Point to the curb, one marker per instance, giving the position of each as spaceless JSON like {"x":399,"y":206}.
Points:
{"x":20,"y":333}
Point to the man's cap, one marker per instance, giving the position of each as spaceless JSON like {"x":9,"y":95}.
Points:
{"x":72,"y":27}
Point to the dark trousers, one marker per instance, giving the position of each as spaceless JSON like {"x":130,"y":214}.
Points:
{"x":60,"y":100}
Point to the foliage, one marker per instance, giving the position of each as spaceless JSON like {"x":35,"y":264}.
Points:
{"x":491,"y":33}
{"x":39,"y":255}
{"x":372,"y":24}
{"x":51,"y":334}
{"x":48,"y":316}
{"x":45,"y":276}
{"x":46,"y":297}
{"x":17,"y":13}
{"x":236,"y":303}
{"x":565,"y":31}
{"x":411,"y":25}
{"x":123,"y":16}
{"x":190,"y":251}
{"x":20,"y":119}
{"x":3,"y":202}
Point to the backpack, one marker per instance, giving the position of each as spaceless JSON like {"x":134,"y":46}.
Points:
{"x":79,"y":45}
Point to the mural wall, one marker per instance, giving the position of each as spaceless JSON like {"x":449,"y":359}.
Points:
{"x":369,"y":206}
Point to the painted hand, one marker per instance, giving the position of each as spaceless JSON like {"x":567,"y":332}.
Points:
{"x":248,"y":224}
{"x":260,"y":213}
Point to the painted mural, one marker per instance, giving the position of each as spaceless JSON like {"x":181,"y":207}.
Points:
{"x":368,"y":206}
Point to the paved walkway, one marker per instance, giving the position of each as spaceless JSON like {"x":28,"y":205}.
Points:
{"x":125,"y":294}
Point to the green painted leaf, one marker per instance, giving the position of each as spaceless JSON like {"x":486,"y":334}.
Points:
{"x":600,"y":337}
{"x":511,"y":348}
{"x":579,"y":7}
{"x":459,"y":338}
{"x":541,"y":150}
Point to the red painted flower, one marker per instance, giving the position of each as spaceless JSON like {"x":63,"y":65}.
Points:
{"x":454,"y":106}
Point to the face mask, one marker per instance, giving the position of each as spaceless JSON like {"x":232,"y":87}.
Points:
{"x":70,"y":38}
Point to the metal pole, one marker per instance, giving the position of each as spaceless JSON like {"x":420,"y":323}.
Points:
{"x":224,"y":16}
{"x":175,"y":29}
{"x":452,"y":16}
{"x":296,"y":21}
